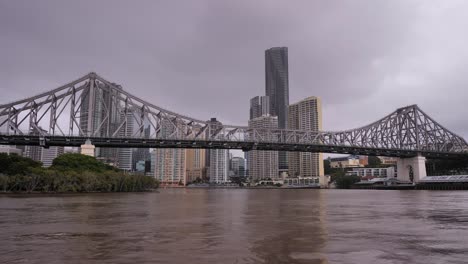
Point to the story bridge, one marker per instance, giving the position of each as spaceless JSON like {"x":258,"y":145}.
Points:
{"x":92,"y":108}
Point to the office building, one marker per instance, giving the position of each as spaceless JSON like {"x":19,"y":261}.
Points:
{"x":44,"y":155}
{"x":238,"y":166}
{"x":277,"y":89}
{"x":49,"y":154}
{"x":305,"y":115}
{"x":350,"y":161}
{"x":263,"y":164}
{"x":125,"y":161}
{"x":142,"y":154}
{"x":6,"y":148}
{"x":259,"y":106}
{"x":10,"y":150}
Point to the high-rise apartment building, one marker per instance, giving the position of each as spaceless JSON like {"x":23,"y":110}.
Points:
{"x":277,"y":89}
{"x":169,"y":165}
{"x":217,"y":160}
{"x":259,"y":106}
{"x":44,"y":155}
{"x":101,"y":114}
{"x":49,"y":154}
{"x":125,"y":161}
{"x":219,"y":166}
{"x":263,"y":164}
{"x":305,"y":115}
{"x":195,"y":164}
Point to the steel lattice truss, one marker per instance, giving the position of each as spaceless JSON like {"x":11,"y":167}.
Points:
{"x":95,"y":109}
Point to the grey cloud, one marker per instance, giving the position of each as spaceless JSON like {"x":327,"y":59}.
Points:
{"x":206,"y":58}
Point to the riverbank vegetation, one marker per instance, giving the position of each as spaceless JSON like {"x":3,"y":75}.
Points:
{"x":68,"y":173}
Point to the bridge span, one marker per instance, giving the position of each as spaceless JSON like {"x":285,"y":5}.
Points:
{"x":92,"y":108}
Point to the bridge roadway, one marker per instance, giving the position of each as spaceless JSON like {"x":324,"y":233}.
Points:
{"x":77,"y":141}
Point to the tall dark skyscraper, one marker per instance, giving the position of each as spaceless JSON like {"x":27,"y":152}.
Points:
{"x":277,"y":89}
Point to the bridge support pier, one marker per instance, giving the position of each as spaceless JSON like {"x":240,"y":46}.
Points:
{"x":88,"y":148}
{"x":411,"y":169}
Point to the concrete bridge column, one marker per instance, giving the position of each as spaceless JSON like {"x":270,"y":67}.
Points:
{"x":411,"y":169}
{"x":88,"y":148}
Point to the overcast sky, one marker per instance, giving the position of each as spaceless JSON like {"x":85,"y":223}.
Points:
{"x":206,"y":58}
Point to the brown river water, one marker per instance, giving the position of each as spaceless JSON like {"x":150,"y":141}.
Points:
{"x":236,"y":226}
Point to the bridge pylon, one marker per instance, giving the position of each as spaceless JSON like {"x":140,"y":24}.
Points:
{"x":88,"y":149}
{"x":411,"y":169}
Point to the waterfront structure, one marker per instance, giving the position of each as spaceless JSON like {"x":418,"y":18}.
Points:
{"x":350,"y":161}
{"x":259,"y":106}
{"x":263,"y":164}
{"x":195,"y":165}
{"x":301,"y":181}
{"x":389,"y":172}
{"x":305,"y":115}
{"x":277,"y":89}
{"x":388,"y":160}
{"x":238,"y":166}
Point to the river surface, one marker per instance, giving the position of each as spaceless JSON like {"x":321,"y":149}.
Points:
{"x":236,"y":226}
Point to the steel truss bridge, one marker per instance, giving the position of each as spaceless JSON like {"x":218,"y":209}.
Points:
{"x":92,"y":108}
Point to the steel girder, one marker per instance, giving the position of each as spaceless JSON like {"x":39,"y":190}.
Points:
{"x":92,"y":107}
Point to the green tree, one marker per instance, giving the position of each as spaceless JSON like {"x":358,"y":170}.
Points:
{"x":327,"y":168}
{"x":374,"y":162}
{"x":69,"y":173}
{"x":14,"y":164}
{"x":345,"y":182}
{"x":79,"y":162}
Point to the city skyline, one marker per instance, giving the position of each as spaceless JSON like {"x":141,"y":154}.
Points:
{"x":393,"y":67}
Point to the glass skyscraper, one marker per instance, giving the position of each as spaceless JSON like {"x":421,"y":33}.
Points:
{"x":277,"y":89}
